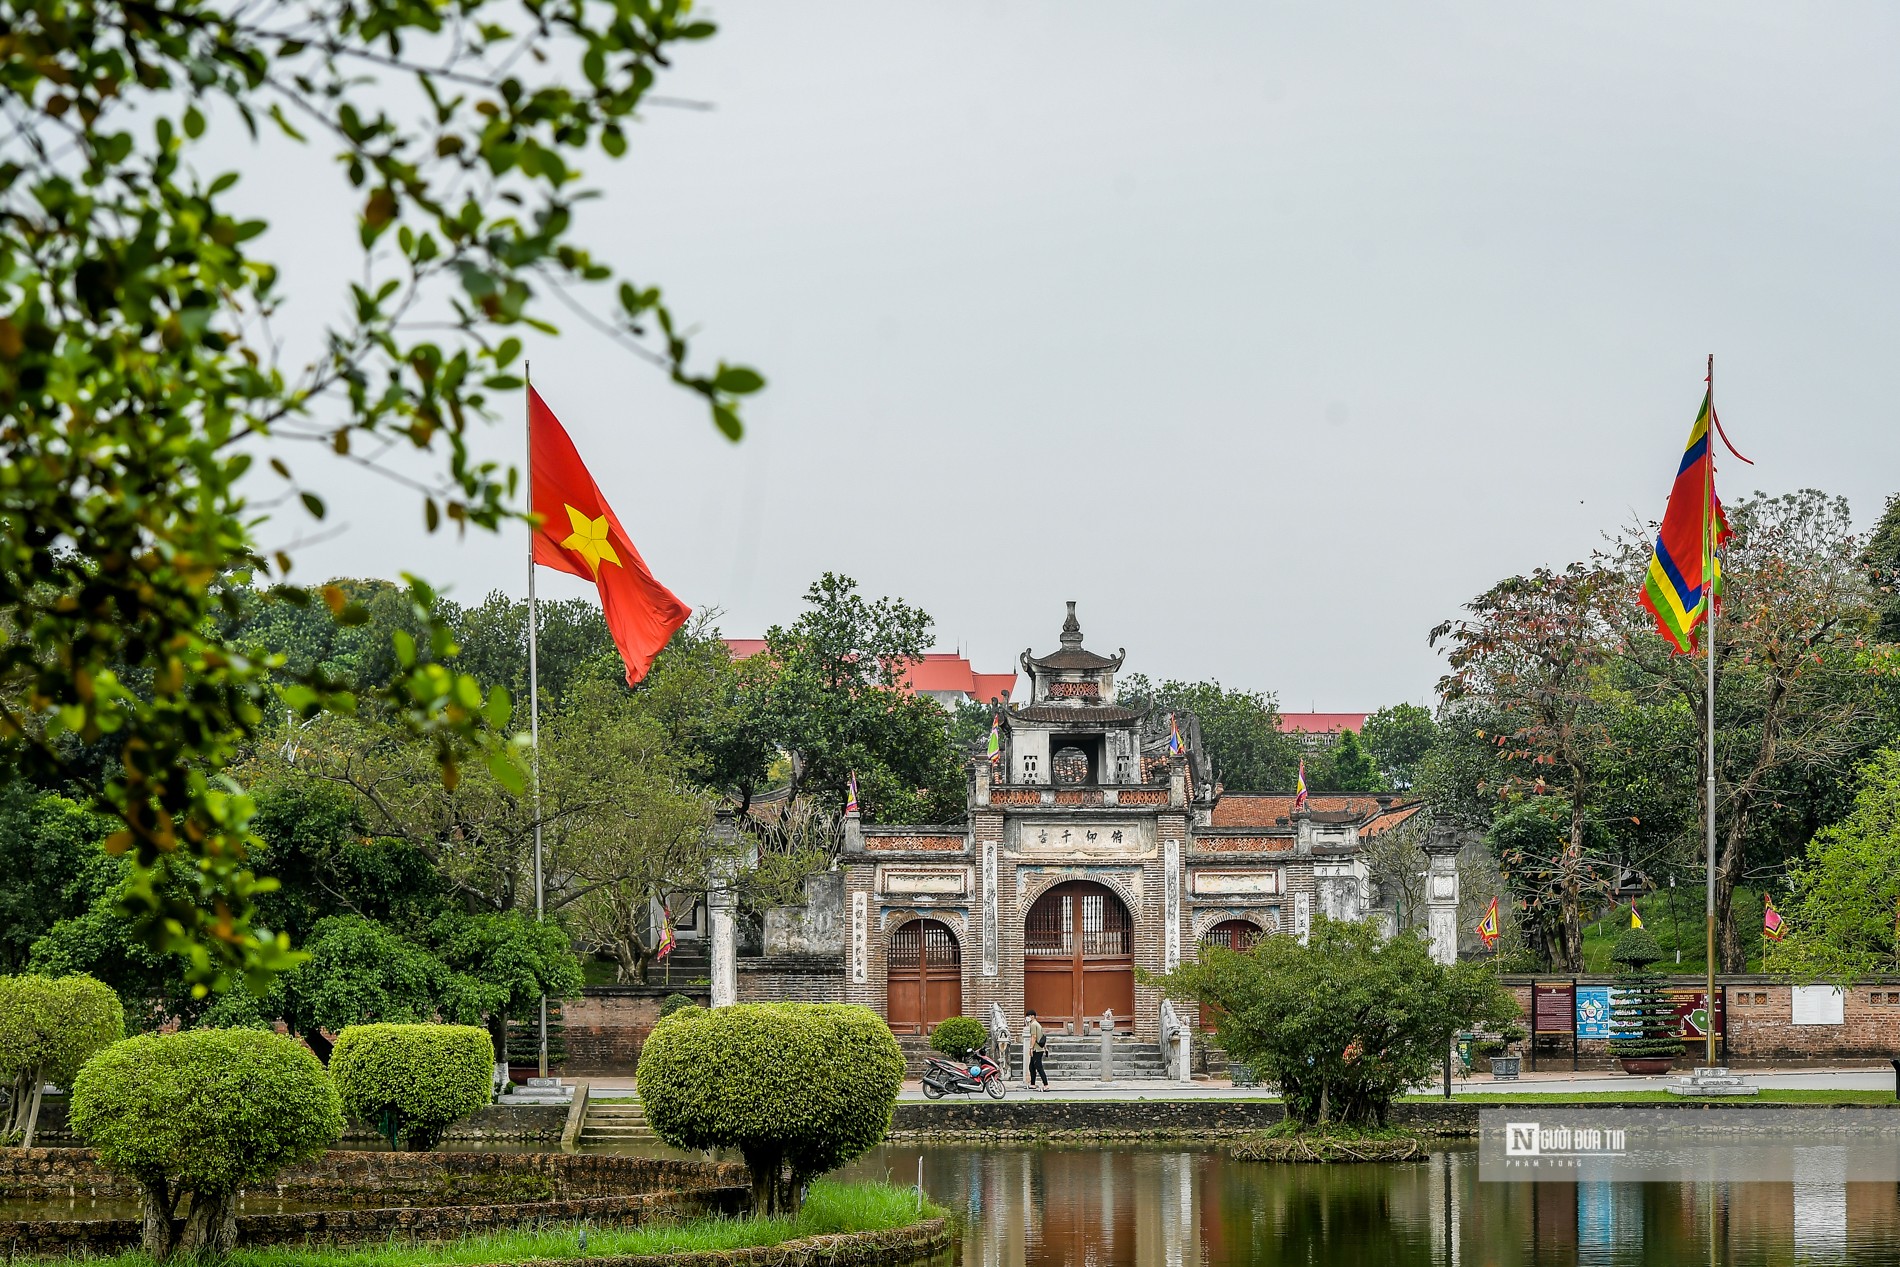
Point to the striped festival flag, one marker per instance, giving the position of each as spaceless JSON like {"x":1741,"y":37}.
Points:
{"x":1773,"y":927}
{"x":851,"y":794}
{"x":1488,"y":926}
{"x":1299,"y":786}
{"x":996,"y":738}
{"x":1685,"y":569}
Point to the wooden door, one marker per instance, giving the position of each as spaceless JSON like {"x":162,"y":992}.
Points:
{"x":925,"y":981}
{"x":1078,"y":956}
{"x":1230,"y":934}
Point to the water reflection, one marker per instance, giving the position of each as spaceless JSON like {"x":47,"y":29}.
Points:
{"x":1180,"y":1207}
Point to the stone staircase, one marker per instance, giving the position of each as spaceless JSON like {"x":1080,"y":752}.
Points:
{"x":614,"y":1122}
{"x":540,"y":1091}
{"x":1079,"y":1059}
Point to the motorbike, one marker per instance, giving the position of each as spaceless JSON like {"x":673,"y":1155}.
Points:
{"x":976,"y":1072}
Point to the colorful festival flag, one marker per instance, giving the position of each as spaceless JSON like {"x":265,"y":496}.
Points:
{"x":667,"y":940}
{"x":1773,"y":927}
{"x":1685,"y":568}
{"x":1488,"y":926}
{"x":1299,"y":786}
{"x":851,"y":793}
{"x":577,"y":532}
{"x":1636,"y":920}
{"x":1175,"y":746}
{"x":996,"y":738}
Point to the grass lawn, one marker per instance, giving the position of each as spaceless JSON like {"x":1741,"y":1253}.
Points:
{"x":1769,"y":1095}
{"x":1675,"y":916}
{"x":830,"y":1207}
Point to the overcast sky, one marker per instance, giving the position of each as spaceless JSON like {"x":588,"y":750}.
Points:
{"x":1268,"y":333}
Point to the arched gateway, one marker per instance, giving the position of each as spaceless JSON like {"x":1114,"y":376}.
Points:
{"x":925,"y":983}
{"x":1078,"y":956}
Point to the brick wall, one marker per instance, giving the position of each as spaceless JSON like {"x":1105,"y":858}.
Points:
{"x":1761,"y":1028}
{"x":791,"y":979}
{"x":607,"y":1025}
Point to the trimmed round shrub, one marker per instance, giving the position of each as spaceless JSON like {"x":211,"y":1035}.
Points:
{"x":203,"y":1113}
{"x":676,"y":1003}
{"x":1636,"y":948}
{"x":798,"y":1089}
{"x":959,"y":1036}
{"x":412,"y":1082}
{"x":49,"y":1028}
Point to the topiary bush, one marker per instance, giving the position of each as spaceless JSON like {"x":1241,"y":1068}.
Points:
{"x":203,"y":1113}
{"x":1642,"y":1015}
{"x":797,"y":1088}
{"x":412,"y":1082}
{"x":49,"y":1028}
{"x":676,"y":1003}
{"x":959,"y":1036}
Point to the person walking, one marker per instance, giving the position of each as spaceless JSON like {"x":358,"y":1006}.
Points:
{"x":1038,"y":1044}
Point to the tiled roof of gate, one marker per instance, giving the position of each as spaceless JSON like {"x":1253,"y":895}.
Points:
{"x":1084,"y":713}
{"x":1242,"y":810}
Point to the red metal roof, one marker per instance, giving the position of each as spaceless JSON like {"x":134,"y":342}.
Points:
{"x":994,"y":688}
{"x":937,"y":671}
{"x":744,"y":648}
{"x":1322,"y":723}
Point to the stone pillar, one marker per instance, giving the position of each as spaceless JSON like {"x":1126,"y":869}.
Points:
{"x":1441,"y":893}
{"x":720,"y":904}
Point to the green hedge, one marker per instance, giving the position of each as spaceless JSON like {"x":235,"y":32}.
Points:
{"x":959,"y":1036}
{"x":203,"y":1112}
{"x":797,"y":1088}
{"x":676,"y":1003}
{"x":412,"y":1082}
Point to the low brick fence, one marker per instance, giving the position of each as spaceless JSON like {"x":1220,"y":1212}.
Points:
{"x":375,"y":1196}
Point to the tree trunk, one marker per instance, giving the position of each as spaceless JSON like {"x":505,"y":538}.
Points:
{"x":1730,"y":953}
{"x":1571,"y":901}
{"x":33,"y":1110}
{"x":156,"y":1233}
{"x":776,"y":1193}
{"x":211,"y":1227}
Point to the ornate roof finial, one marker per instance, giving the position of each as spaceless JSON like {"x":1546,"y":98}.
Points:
{"x":1071,"y":630}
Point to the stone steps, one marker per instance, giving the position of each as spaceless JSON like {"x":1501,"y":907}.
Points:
{"x":614,"y":1122}
{"x":540,"y":1091}
{"x":1078,"y":1059}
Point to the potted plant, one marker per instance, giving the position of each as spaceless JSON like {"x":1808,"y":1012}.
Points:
{"x":1643,"y":1018}
{"x":1506,"y":1062}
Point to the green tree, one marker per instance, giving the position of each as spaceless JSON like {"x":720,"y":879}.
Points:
{"x":1345,"y":1024}
{"x":45,"y":840}
{"x":1845,"y":892}
{"x":1881,"y":560}
{"x":1348,"y":767}
{"x":49,"y":1028}
{"x":717,"y":1079}
{"x":1239,"y":729}
{"x":1796,"y":707}
{"x":203,"y":1113}
{"x":1643,"y":1018}
{"x":826,"y":692}
{"x":1399,"y":737}
{"x":140,"y":373}
{"x":413,"y":1082}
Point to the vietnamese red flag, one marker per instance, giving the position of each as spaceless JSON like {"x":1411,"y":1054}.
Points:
{"x":579,"y":533}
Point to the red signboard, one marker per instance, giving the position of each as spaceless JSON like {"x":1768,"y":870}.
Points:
{"x":1692,"y":1016}
{"x":1554,"y":1007}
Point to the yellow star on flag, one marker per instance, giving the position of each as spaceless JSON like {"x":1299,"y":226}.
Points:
{"x":589,"y":540}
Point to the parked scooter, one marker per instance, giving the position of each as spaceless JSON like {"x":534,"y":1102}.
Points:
{"x":964,"y":1077}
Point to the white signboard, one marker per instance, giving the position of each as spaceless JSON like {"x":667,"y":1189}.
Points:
{"x":1819,"y":1005}
{"x":1171,"y":934}
{"x":1302,"y":916}
{"x":860,"y":935}
{"x":989,"y":908}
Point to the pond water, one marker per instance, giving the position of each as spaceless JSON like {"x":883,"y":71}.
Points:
{"x":1173,"y":1206}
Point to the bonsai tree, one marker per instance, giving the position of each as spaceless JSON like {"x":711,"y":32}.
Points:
{"x":797,"y":1088}
{"x":202,"y":1113}
{"x":412,"y":1082}
{"x":1642,"y":1016}
{"x":49,"y":1027}
{"x":960,"y":1036}
{"x":1344,"y":1024}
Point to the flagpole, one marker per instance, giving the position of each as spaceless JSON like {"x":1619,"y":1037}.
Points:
{"x":534,"y":708}
{"x":1709,"y":546}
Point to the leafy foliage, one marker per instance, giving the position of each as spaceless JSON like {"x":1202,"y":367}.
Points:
{"x":413,"y":1082}
{"x":1642,"y":1015}
{"x":1350,"y":768}
{"x":676,"y":1003}
{"x":140,"y":379}
{"x":1399,"y":737}
{"x":49,"y":1028}
{"x":1846,"y":891}
{"x":203,"y":1112}
{"x":1346,"y":1023}
{"x":45,"y":841}
{"x":798,"y":1088}
{"x":1636,"y":948}
{"x":1240,"y":729}
{"x":959,"y":1036}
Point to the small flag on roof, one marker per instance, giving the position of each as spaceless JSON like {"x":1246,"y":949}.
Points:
{"x":851,"y":793}
{"x":1299,"y":786}
{"x":996,"y":738}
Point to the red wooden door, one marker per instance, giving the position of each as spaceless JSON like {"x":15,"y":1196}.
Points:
{"x":1078,"y":956}
{"x":1229,"y":934}
{"x":925,"y":978}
